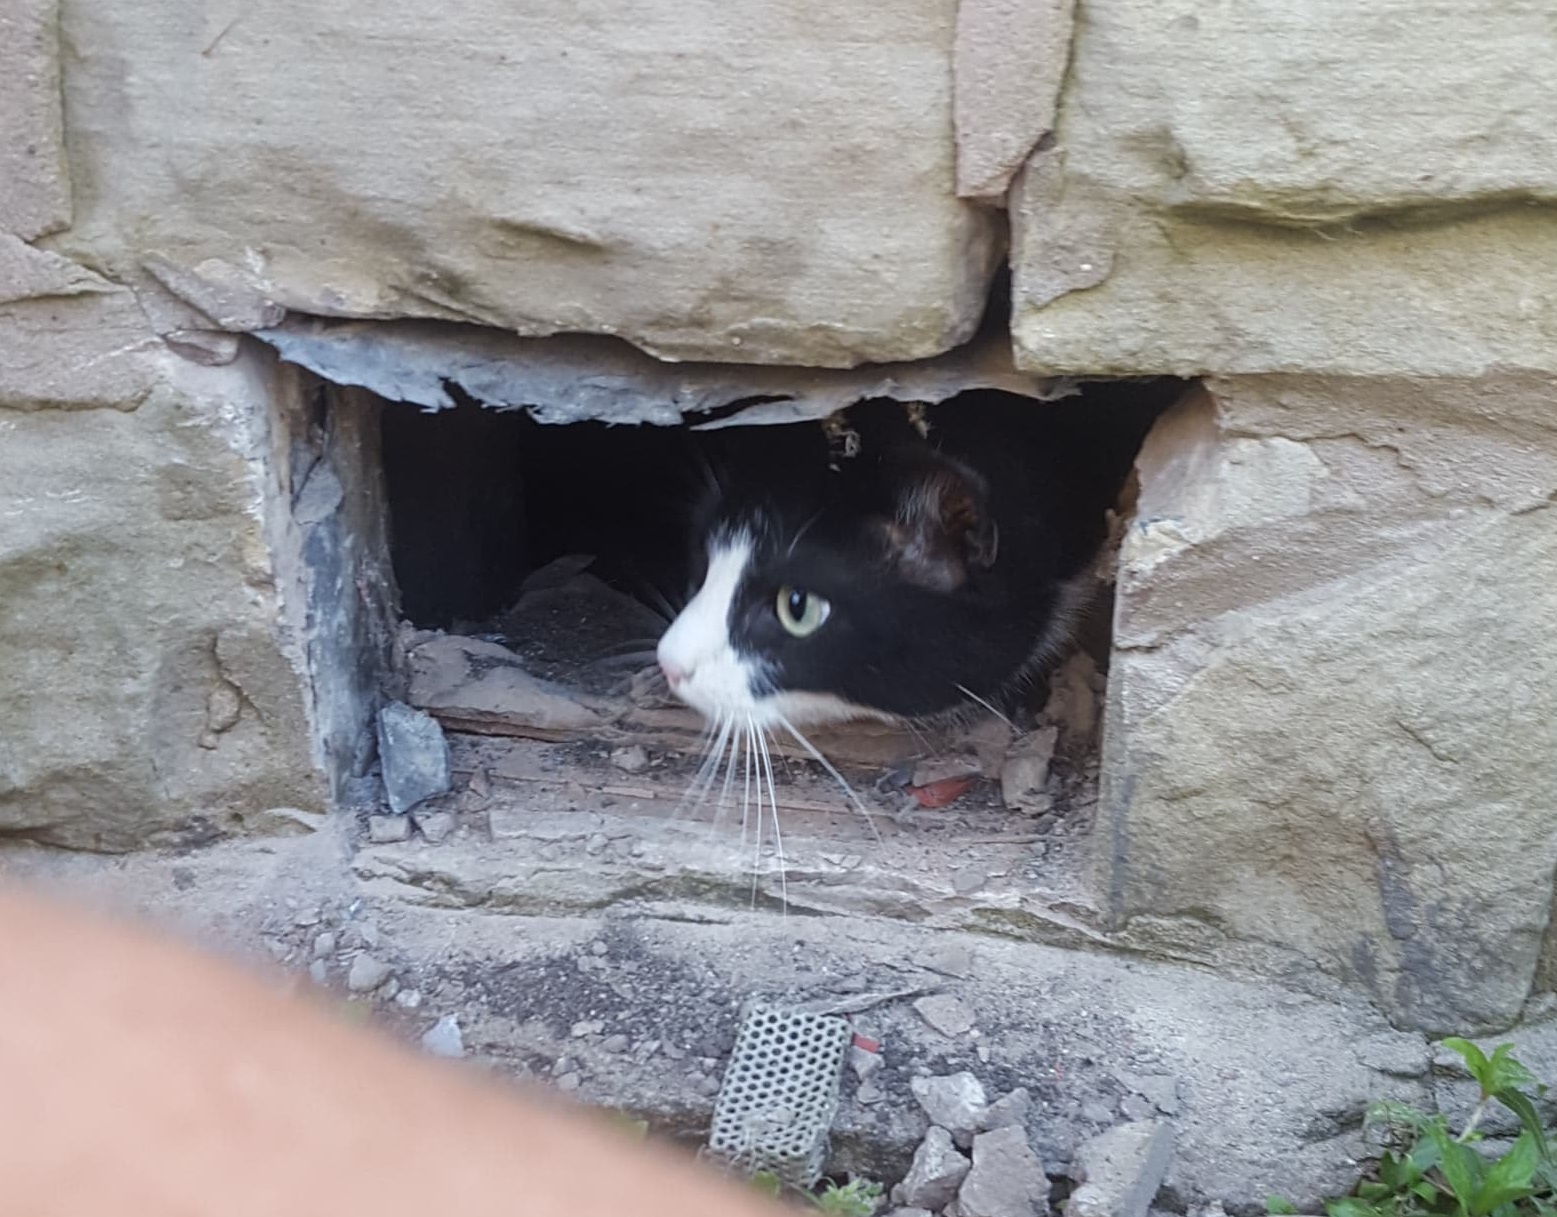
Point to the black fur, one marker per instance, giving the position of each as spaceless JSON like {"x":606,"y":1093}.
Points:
{"x":945,"y":558}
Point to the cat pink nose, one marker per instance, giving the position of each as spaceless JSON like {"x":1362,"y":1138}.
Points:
{"x":674,"y":675}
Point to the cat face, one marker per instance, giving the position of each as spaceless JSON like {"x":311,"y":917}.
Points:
{"x":871,"y":589}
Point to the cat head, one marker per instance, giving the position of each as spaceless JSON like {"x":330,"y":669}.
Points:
{"x":859,"y":588}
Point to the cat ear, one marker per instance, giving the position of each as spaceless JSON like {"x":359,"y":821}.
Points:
{"x":942,"y":528}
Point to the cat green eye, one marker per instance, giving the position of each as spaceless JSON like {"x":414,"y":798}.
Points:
{"x":800,"y":612}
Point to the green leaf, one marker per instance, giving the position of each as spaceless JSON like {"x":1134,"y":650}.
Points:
{"x":1504,"y":1072}
{"x":856,"y":1198}
{"x":1350,"y":1206}
{"x":1279,"y":1206}
{"x":767,"y":1183}
{"x":1519,"y":1103}
{"x":1509,"y":1178}
{"x":1475,"y":1060}
{"x":1462,"y":1168}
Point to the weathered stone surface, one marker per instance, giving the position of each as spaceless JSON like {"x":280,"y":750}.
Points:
{"x":954,"y":1101}
{"x":1333,"y":704}
{"x":1233,"y":189}
{"x":708,"y":181}
{"x":1009,"y":61}
{"x":34,"y":181}
{"x":1121,"y":1169}
{"x":1007,"y":1180}
{"x":146,"y":694}
{"x":937,"y":1172}
{"x":414,"y":754}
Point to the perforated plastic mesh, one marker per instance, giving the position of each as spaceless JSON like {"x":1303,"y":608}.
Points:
{"x":780,"y":1092}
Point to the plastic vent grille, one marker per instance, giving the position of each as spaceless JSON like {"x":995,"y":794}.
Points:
{"x":780,"y":1093}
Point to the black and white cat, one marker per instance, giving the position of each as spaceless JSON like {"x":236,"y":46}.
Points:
{"x":901,"y":564}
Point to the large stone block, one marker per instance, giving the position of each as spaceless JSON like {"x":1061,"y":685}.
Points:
{"x":1332,"y":737}
{"x":34,"y":183}
{"x":1290,"y":184}
{"x":146,"y":694}
{"x":714,"y":180}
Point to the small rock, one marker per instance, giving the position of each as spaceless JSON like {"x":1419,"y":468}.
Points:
{"x":435,"y":826}
{"x":1011,"y":1110}
{"x":480,"y":784}
{"x":867,"y":1094}
{"x":561,"y":1066}
{"x":708,"y":1087}
{"x":1026,"y":772}
{"x":982,"y":1052}
{"x":1007,"y":1180}
{"x":910,"y":1213}
{"x":408,"y":999}
{"x":937,"y":1172}
{"x":367,"y":973}
{"x":864,"y":1063}
{"x":384,"y":829}
{"x":585,"y":1027}
{"x":945,"y":1013}
{"x":318,"y":972}
{"x":1097,"y":1112}
{"x":614,"y":1043}
{"x":414,"y":756}
{"x":443,"y":1038}
{"x":324,"y":944}
{"x":569,"y":1082}
{"x":632,"y":759}
{"x":955,"y":1102}
{"x":1120,"y":1170}
{"x":598,"y":948}
{"x":596,"y":844}
{"x":306,"y":918}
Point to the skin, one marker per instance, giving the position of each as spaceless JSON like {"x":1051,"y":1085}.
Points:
{"x":140,"y":1079}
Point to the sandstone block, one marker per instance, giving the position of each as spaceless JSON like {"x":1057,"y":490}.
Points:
{"x":147,"y":696}
{"x":729,"y":182}
{"x":1236,"y":189}
{"x":1332,"y":711}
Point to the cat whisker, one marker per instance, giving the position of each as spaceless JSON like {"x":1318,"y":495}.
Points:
{"x":715,"y":738}
{"x":870,"y":821}
{"x":977,"y":700}
{"x":778,"y":836}
{"x":802,"y":530}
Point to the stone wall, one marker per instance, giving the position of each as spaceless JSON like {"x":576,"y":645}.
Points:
{"x":1330,"y":755}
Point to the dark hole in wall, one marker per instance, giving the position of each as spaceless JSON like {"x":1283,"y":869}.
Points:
{"x":479,"y":498}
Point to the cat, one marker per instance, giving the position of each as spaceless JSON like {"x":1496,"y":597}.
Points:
{"x":900,"y":563}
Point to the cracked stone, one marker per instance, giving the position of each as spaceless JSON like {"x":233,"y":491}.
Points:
{"x":937,"y":1172}
{"x":435,"y":826}
{"x":1007,"y":1179}
{"x":443,"y":1038}
{"x":955,"y":1101}
{"x":1012,"y":1109}
{"x":414,"y":756}
{"x":382,"y":830}
{"x":367,"y":973}
{"x":945,"y":1013}
{"x":1120,"y":1170}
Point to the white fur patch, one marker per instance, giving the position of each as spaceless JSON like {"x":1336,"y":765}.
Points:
{"x":717,"y":679}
